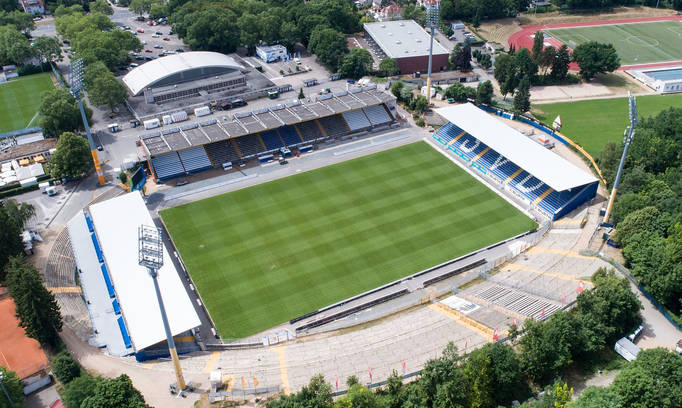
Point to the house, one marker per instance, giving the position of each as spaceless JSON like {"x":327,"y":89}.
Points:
{"x":390,"y":12}
{"x":33,"y":6}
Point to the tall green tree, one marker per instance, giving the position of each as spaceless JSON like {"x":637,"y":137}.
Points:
{"x":14,"y":46}
{"x":462,"y":59}
{"x":329,"y":45}
{"x":65,"y":367}
{"x":9,"y":5}
{"x":356,"y":64}
{"x":506,"y":74}
{"x":101,"y":6}
{"x":14,"y":388}
{"x":318,"y":393}
{"x":213,"y":28}
{"x":48,"y":49}
{"x":11,"y":244}
{"x":522,"y":96}
{"x":20,"y":20}
{"x":538,"y":45}
{"x":596,"y":397}
{"x":595,"y":58}
{"x":72,"y":158}
{"x":546,"y":58}
{"x":115,"y":393}
{"x":59,"y":113}
{"x":561,"y":63}
{"x":493,"y":375}
{"x":107,"y":90}
{"x":484,"y":92}
{"x":79,"y":389}
{"x":36,"y":307}
{"x":652,"y":380}
{"x":388,"y":67}
{"x":525,"y":63}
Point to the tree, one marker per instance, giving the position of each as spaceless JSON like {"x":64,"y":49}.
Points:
{"x":318,"y":393}
{"x":10,"y":239}
{"x":486,"y":61}
{"x":36,"y":307}
{"x":595,"y":58}
{"x":106,"y":90}
{"x":459,"y":92}
{"x":250,"y":31}
{"x":329,"y":45}
{"x":301,"y":95}
{"x":420,"y":103}
{"x":9,"y":5}
{"x":525,"y":64}
{"x":48,"y":49}
{"x":484,"y":92}
{"x":522,"y":97}
{"x":538,"y":44}
{"x":19,"y":213}
{"x":560,"y":63}
{"x":115,"y":393}
{"x":72,"y":158}
{"x":289,"y":35}
{"x":388,"y":67}
{"x":651,"y":380}
{"x":506,"y":74}
{"x":138,"y":6}
{"x":65,"y":368}
{"x":14,"y":46}
{"x":213,"y":28}
{"x":59,"y":113}
{"x":462,"y":59}
{"x":356,"y":64}
{"x":79,"y":389}
{"x":101,"y":6}
{"x":158,"y":10}
{"x":493,"y":375}
{"x":396,"y":88}
{"x":596,"y":397}
{"x":20,"y":20}
{"x":547,"y":58}
{"x":14,"y":388}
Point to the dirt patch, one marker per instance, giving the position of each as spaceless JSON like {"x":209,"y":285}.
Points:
{"x":499,"y":30}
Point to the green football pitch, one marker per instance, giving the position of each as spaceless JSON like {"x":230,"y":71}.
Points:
{"x":263,"y":255}
{"x":20,"y":101}
{"x":636,"y":43}
{"x":593,"y":123}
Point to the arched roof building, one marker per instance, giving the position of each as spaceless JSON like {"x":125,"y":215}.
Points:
{"x":179,"y":68}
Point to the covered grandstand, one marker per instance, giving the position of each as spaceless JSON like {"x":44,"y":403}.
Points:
{"x":118,"y":292}
{"x":259,"y":134}
{"x":537,"y":176}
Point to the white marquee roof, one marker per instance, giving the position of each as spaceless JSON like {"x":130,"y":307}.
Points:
{"x":547,"y":166}
{"x":146,"y":74}
{"x":402,"y":38}
{"x":116,"y":223}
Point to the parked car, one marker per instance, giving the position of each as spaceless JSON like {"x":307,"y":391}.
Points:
{"x":140,"y":30}
{"x":159,"y":33}
{"x":155,"y":36}
{"x":140,"y":18}
{"x":166,"y":39}
{"x":158,"y":46}
{"x":148,"y":50}
{"x":180,"y":50}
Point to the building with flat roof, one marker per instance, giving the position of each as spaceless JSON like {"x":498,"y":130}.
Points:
{"x":406,"y":42}
{"x":33,"y":6}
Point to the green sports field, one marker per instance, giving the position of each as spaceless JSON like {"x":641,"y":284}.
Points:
{"x":265,"y":254}
{"x":636,"y":43}
{"x":593,"y":123}
{"x":20,"y":101}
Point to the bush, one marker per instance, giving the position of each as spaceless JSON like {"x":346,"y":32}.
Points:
{"x":31,"y":69}
{"x":18,"y":190}
{"x":123,"y":177}
{"x":65,"y":368}
{"x":420,"y":122}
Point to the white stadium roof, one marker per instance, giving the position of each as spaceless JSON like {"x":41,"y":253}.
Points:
{"x":552,"y":169}
{"x":153,"y":71}
{"x":402,"y":38}
{"x":116,"y":223}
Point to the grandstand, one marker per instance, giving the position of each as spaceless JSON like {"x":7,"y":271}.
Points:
{"x":537,"y":176}
{"x":259,"y":134}
{"x":119,"y":293}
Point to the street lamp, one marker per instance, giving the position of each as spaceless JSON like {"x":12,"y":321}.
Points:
{"x":150,"y":255}
{"x":76,"y":88}
{"x":2,"y":377}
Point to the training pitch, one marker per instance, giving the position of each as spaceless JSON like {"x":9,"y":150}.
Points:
{"x":263,"y":255}
{"x":636,"y":43}
{"x":593,"y":123}
{"x":20,"y":101}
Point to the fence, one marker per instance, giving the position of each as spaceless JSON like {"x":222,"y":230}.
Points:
{"x":546,"y":129}
{"x":57,"y":75}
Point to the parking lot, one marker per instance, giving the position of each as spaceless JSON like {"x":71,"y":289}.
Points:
{"x":157,"y":40}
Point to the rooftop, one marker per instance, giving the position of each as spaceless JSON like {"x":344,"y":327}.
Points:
{"x":402,"y":38}
{"x":552,"y":169}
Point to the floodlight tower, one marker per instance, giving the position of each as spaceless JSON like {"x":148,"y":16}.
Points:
{"x":76,"y":88}
{"x":432,"y":21}
{"x":150,"y":255}
{"x":629,"y":135}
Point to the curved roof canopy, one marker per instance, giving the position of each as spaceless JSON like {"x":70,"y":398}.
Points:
{"x":156,"y":71}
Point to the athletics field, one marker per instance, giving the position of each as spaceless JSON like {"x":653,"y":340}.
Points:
{"x":263,"y":255}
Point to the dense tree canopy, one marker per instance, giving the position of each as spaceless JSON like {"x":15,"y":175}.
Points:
{"x":14,"y":46}
{"x":14,"y":388}
{"x":356,"y":64}
{"x":36,"y":307}
{"x":20,"y":20}
{"x":484,"y":92}
{"x":59,"y":113}
{"x":79,"y":389}
{"x":329,"y":45}
{"x":72,"y":158}
{"x":65,"y":368}
{"x":595,"y":58}
{"x":48,"y":49}
{"x":388,"y":67}
{"x":489,"y":9}
{"x":651,"y":380}
{"x":115,"y":393}
{"x":10,"y":239}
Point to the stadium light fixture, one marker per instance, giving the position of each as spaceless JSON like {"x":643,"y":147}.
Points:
{"x":150,"y":255}
{"x":77,"y":85}
{"x":432,"y":21}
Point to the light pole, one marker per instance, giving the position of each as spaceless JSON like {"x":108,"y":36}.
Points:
{"x":76,"y":88}
{"x":150,"y":255}
{"x":2,"y":377}
{"x":432,"y":21}
{"x":630,"y":134}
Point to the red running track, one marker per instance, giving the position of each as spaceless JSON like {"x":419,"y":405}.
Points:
{"x":523,"y":38}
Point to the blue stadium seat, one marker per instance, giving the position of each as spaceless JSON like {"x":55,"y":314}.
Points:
{"x":168,"y":166}
{"x":271,"y":140}
{"x":289,"y":136}
{"x":195,"y":159}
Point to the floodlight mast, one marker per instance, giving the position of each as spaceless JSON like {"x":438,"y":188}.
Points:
{"x":150,"y":255}
{"x":432,"y":21}
{"x":76,"y":88}
{"x":628,"y":139}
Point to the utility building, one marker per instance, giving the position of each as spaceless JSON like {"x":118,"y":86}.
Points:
{"x":407,"y":43}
